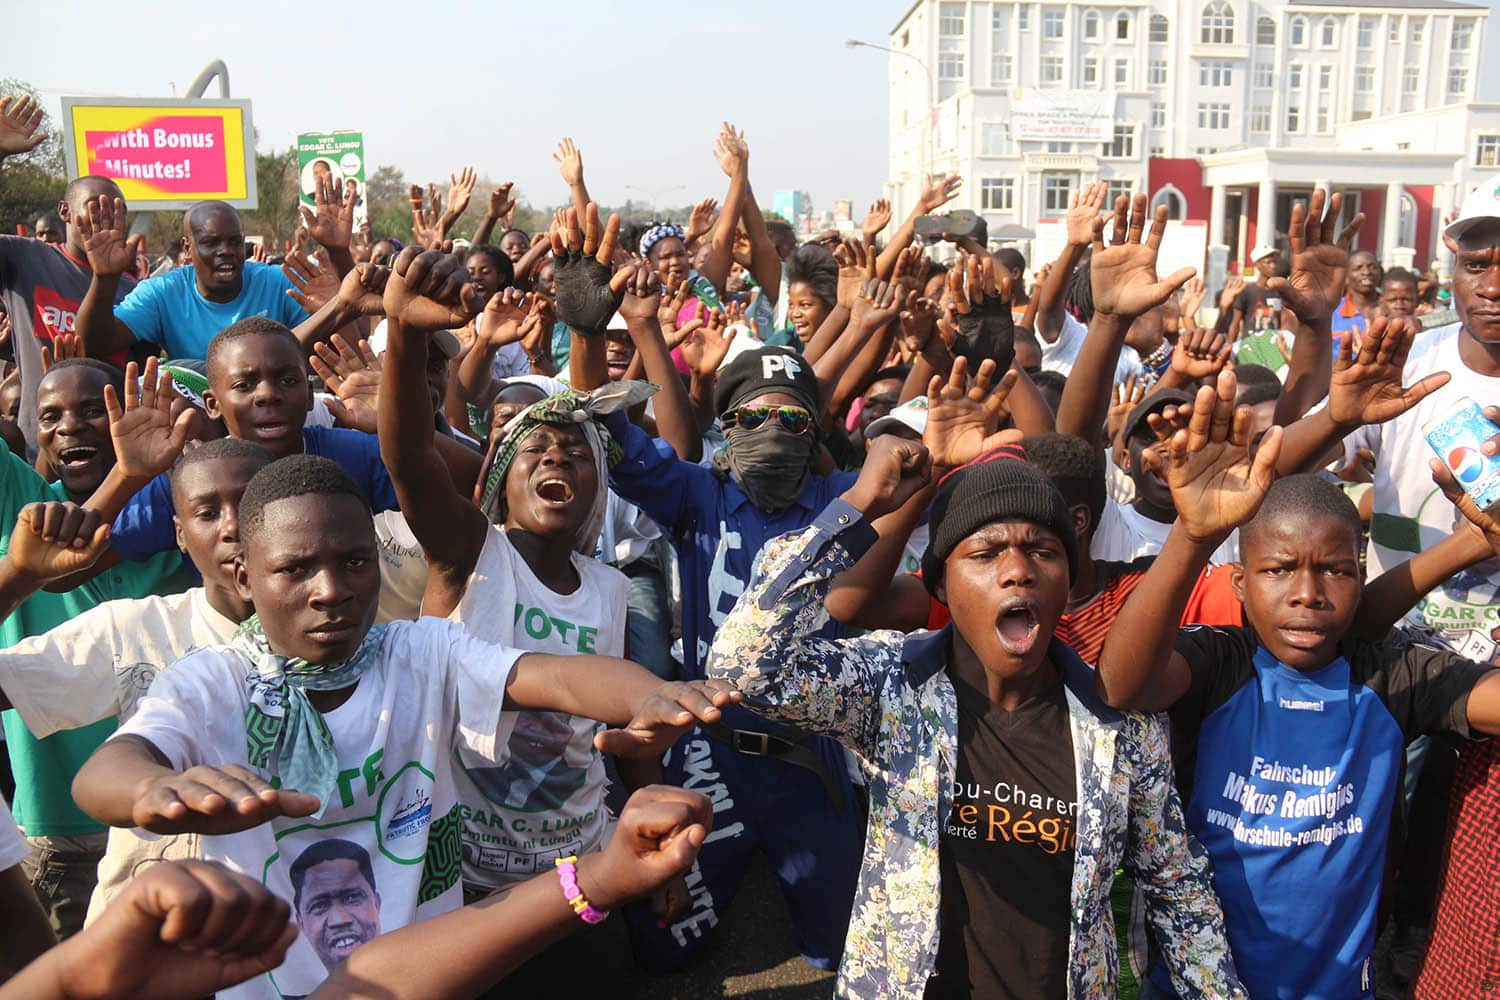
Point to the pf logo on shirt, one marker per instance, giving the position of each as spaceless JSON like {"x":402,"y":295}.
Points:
{"x":770,"y":364}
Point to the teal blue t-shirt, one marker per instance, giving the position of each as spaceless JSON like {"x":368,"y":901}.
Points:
{"x":168,"y":309}
{"x":44,"y":769}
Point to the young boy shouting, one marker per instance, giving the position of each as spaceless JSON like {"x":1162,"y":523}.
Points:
{"x":318,"y":750}
{"x":1289,"y":734}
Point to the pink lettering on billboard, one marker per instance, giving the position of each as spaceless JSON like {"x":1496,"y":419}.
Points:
{"x":179,"y":154}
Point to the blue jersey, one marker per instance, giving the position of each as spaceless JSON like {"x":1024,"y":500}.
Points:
{"x":1293,"y":785}
{"x":145,"y":526}
{"x":715,"y":529}
{"x":169,"y":310}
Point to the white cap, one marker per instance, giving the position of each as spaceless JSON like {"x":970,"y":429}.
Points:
{"x":743,"y":341}
{"x":1481,"y":204}
{"x":1264,"y":250}
{"x":910,"y":414}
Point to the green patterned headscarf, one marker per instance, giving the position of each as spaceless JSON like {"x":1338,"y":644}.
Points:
{"x":285,"y":735}
{"x":587,"y":411}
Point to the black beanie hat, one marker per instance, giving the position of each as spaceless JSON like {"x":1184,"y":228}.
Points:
{"x":998,"y":488}
{"x":767,"y":369}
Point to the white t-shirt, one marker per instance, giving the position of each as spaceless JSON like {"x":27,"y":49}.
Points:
{"x":1125,"y":534}
{"x":100,"y":665}
{"x":403,"y":568}
{"x":916,"y":545}
{"x":547,"y":800}
{"x":431,"y":689}
{"x":1411,"y":513}
{"x":1060,"y":355}
{"x":13,"y":846}
{"x":628,"y":532}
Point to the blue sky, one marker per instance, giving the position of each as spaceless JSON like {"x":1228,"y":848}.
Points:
{"x":641,"y":87}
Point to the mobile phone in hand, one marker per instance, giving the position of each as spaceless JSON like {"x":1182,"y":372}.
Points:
{"x":1456,"y":438}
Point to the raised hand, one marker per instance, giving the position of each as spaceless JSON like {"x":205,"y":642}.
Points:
{"x":963,"y":414}
{"x":1216,"y":486}
{"x":460,"y":190}
{"x":674,"y":299}
{"x":333,"y":223}
{"x":215,"y":801}
{"x":701,"y":220}
{"x":656,"y":839}
{"x":911,"y":267}
{"x":20,"y":117}
{"x":707,"y":343}
{"x":1481,"y":522}
{"x":877,"y":305}
{"x":1230,"y":292}
{"x":1123,"y":274}
{"x":1199,"y":354}
{"x":1193,"y":294}
{"x":352,"y":374}
{"x":503,"y":317}
{"x":876,"y":219}
{"x":893,"y":471}
{"x":731,"y":150}
{"x":536,"y":330}
{"x":937,"y":193}
{"x":586,"y":295}
{"x":61,"y":348}
{"x":1083,"y":211}
{"x":179,"y":929}
{"x":313,"y":286}
{"x":362,"y":290}
{"x":1123,"y":398}
{"x":1319,"y":263}
{"x":676,"y":707}
{"x":918,"y":324}
{"x":642,"y":293}
{"x":985,"y":326}
{"x":105,"y":240}
{"x":146,"y":437}
{"x":569,"y":162}
{"x":1367,"y":389}
{"x":429,"y":290}
{"x":502,"y":201}
{"x":56,"y":539}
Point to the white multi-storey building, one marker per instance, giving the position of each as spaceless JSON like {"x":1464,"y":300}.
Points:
{"x":1225,"y":110}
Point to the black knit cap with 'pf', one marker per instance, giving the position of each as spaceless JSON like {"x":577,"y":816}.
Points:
{"x":998,"y":486}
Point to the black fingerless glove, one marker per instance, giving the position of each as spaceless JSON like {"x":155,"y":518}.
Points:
{"x":987,"y":331}
{"x":584,"y":299}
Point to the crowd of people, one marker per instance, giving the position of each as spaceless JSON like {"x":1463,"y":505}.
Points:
{"x":1065,"y":634}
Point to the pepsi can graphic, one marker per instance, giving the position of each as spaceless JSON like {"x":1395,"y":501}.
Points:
{"x":1455,"y":439}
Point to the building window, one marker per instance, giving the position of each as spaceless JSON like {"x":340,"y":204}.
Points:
{"x":1411,"y":83}
{"x":1487,"y":150}
{"x":1052,"y":23}
{"x":994,"y":140}
{"x":1158,"y":72}
{"x":950,"y":73}
{"x":1000,"y":70}
{"x":1325,"y":78}
{"x":1366,"y":37}
{"x":1458,"y":81}
{"x":1159,"y":29}
{"x":1208,"y":150}
{"x":1260,"y":118}
{"x":1158,"y":114}
{"x":1056,"y":190}
{"x":1215,"y":74}
{"x":1023,"y":17}
{"x":1394,"y":37}
{"x":1090,"y":71}
{"x":1123,"y":146}
{"x":1364,"y":79}
{"x":1265,"y":76}
{"x":1463,"y":36}
{"x":951,"y":18}
{"x":1294,"y":78}
{"x":1122,"y":73}
{"x":1213,"y":115}
{"x":1117,"y":187}
{"x":1298,"y":32}
{"x":1415,"y":29}
{"x":1122,"y":26}
{"x":1293,"y":118}
{"x":1061,"y":148}
{"x":997,"y":194}
{"x":1217,"y":24}
{"x":1328,"y":33}
{"x":1265,"y":31}
{"x":1322,"y":121}
{"x":1052,"y":71}
{"x":1091,"y":25}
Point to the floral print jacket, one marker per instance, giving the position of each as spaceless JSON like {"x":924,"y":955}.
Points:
{"x":887,"y":697}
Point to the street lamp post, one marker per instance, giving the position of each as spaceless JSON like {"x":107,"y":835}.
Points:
{"x":931,"y":134}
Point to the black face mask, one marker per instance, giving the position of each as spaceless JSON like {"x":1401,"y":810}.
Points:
{"x":770,"y":464}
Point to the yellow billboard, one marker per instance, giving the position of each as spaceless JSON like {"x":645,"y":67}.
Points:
{"x":164,"y":154}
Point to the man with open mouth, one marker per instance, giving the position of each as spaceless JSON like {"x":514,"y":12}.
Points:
{"x":1004,"y":794}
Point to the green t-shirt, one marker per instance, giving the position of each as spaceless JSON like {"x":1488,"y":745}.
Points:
{"x":44,"y":769}
{"x":1260,"y":349}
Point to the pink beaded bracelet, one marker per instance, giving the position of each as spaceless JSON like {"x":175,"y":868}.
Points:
{"x":567,"y":874}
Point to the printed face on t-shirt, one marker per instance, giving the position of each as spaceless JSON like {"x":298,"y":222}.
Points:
{"x":1006,"y":586}
{"x":1300,"y":583}
{"x":258,"y":386}
{"x":338,"y":909}
{"x":312,"y":570}
{"x":551,"y":483}
{"x":73,"y":428}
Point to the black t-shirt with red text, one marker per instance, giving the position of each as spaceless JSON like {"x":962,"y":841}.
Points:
{"x":1007,"y":850}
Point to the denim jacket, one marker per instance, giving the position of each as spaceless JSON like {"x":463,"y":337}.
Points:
{"x":887,"y":697}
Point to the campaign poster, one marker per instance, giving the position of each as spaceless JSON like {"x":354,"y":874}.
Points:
{"x":340,"y":155}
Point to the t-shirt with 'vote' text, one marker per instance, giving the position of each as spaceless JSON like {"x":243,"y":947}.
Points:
{"x":546,"y":801}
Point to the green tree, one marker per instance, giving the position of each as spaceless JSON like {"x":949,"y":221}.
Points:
{"x":389,"y":209}
{"x":276,"y":189}
{"x":31,"y":183}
